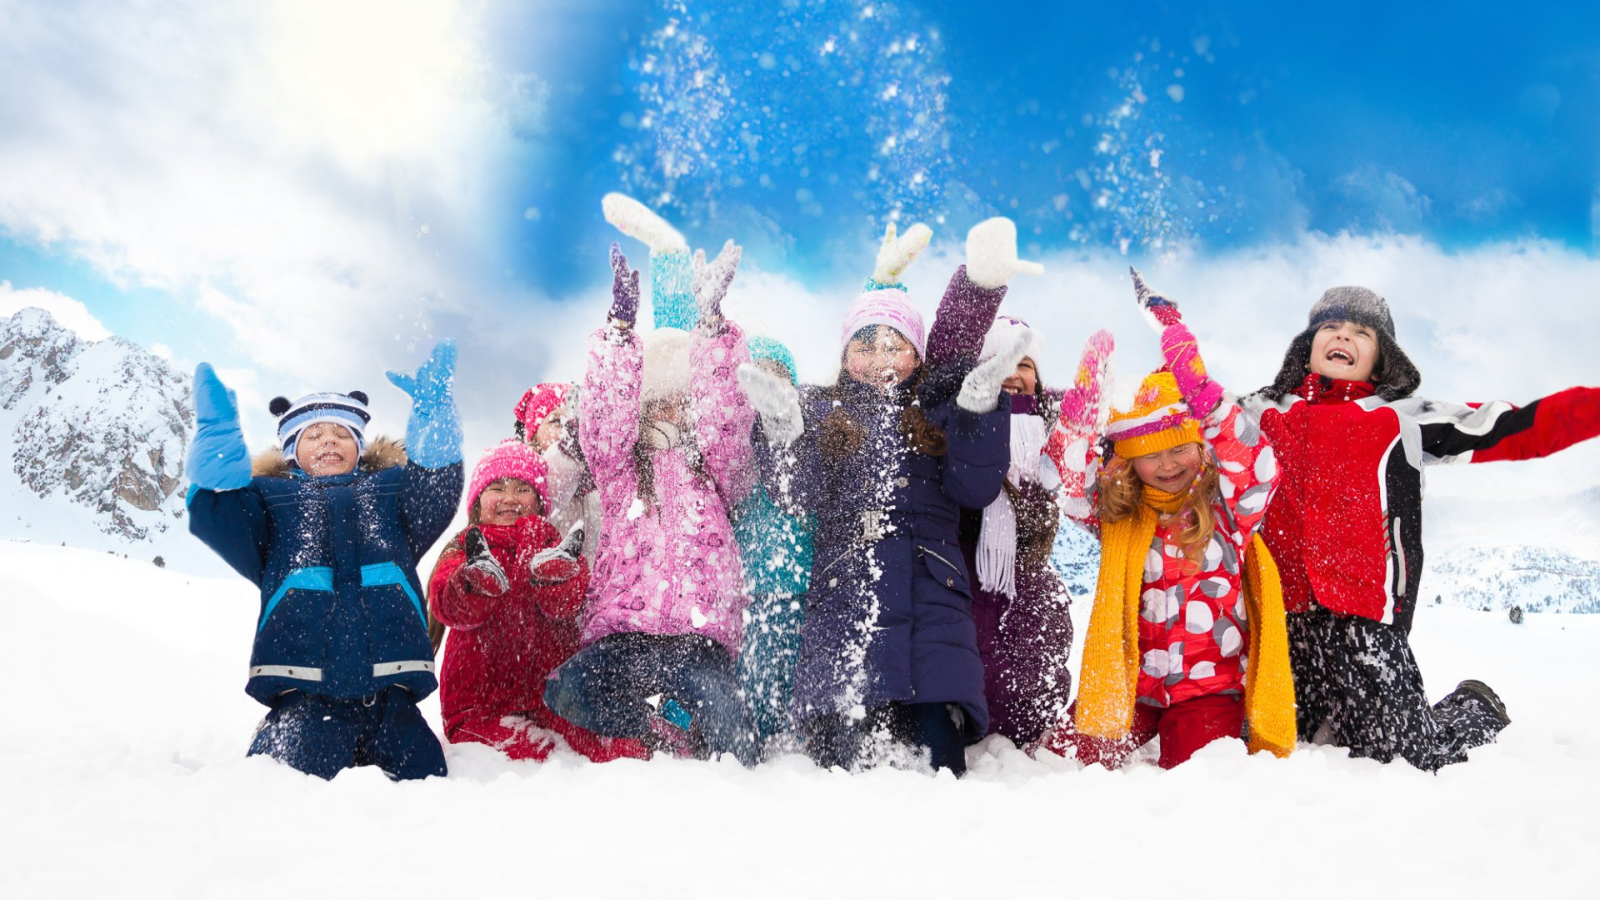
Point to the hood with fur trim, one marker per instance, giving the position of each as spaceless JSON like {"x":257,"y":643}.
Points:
{"x":381,"y":453}
{"x":1394,"y":378}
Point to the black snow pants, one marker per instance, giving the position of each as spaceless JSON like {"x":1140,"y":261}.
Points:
{"x":1359,"y":677}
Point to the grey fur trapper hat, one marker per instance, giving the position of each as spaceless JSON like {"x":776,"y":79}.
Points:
{"x":1394,"y":377}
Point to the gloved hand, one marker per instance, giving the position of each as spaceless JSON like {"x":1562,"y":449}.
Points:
{"x":433,"y":435}
{"x":636,"y":220}
{"x":1085,"y":404}
{"x":992,"y":254}
{"x":980,"y":390}
{"x":553,"y":565}
{"x":711,"y":281}
{"x":218,"y":460}
{"x":897,"y":252}
{"x":1179,"y":349}
{"x":482,"y":571}
{"x":776,"y":400}
{"x":624,"y":290}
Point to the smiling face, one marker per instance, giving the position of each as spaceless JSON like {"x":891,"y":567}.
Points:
{"x":506,"y":500}
{"x":880,"y":356}
{"x":325,"y":448}
{"x":1025,"y":380}
{"x":1172,"y":470}
{"x":1344,"y":350}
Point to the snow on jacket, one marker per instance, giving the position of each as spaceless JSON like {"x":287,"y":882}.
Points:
{"x":1024,"y":641}
{"x":888,"y":615}
{"x":501,"y":649}
{"x":1193,"y":624}
{"x":1346,"y":524}
{"x":336,"y":559}
{"x":572,"y":500}
{"x":667,"y":563}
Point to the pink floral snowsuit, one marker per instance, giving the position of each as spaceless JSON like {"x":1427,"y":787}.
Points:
{"x":1193,"y":629}
{"x":667,"y":564}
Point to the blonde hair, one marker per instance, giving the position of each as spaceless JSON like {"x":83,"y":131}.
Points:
{"x":1121,"y":493}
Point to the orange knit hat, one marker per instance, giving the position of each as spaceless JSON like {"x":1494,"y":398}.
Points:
{"x":1158,"y":420}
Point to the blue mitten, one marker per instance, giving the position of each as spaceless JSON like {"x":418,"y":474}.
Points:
{"x":433,"y":436}
{"x":218,"y":460}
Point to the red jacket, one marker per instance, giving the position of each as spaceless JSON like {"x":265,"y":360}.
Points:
{"x":1345,"y":526}
{"x":501,"y":649}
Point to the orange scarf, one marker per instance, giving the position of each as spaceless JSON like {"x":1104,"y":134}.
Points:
{"x":1109,"y":677}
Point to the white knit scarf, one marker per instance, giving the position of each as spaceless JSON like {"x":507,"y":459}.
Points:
{"x":997,"y":541}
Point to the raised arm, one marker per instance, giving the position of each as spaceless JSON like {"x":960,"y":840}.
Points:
{"x":224,"y":511}
{"x":1499,"y":431}
{"x":1071,"y":445}
{"x":722,"y":415}
{"x":608,"y":419}
{"x":1247,"y":467}
{"x":973,"y":296}
{"x":433,"y":472}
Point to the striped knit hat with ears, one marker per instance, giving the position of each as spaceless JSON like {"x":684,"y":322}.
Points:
{"x":349,"y":410}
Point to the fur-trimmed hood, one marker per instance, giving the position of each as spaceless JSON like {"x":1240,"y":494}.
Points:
{"x":1395,"y":376}
{"x":381,"y":453}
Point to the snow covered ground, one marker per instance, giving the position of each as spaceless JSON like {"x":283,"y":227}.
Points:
{"x":123,"y":774}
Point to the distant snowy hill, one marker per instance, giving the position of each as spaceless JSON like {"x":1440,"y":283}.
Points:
{"x":93,"y":436}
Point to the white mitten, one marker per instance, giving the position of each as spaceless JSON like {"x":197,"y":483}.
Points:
{"x":636,"y":220}
{"x":992,"y":254}
{"x":776,"y":399}
{"x":897,"y":252}
{"x":980,"y":390}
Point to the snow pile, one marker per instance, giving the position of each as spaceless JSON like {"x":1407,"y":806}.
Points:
{"x":124,"y":775}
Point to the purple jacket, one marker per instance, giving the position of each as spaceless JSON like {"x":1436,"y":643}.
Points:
{"x":667,"y":564}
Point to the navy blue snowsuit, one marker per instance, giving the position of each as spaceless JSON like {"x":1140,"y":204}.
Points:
{"x":342,"y":617}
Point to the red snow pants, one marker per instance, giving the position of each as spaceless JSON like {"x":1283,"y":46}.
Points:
{"x":1183,"y":727}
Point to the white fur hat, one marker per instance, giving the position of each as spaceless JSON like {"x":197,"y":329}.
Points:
{"x":1033,"y":349}
{"x":666,"y":363}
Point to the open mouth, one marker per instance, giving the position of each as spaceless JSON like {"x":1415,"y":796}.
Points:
{"x":1341,"y":356}
{"x":330,"y":459}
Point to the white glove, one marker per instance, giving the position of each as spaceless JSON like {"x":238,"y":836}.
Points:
{"x":636,"y":220}
{"x":776,"y":400}
{"x":992,"y":254}
{"x":980,"y":390}
{"x":554,"y":565}
{"x":898,"y":252}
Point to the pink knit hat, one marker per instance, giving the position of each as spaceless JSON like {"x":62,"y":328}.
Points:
{"x":510,"y":459}
{"x":539,"y":402}
{"x":885,"y":306}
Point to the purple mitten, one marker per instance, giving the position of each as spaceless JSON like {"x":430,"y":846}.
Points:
{"x":624,"y":289}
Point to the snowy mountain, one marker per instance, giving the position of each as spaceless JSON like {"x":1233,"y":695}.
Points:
{"x":93,"y":436}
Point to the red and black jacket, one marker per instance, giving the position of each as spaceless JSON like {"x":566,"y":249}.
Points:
{"x":1345,"y":526}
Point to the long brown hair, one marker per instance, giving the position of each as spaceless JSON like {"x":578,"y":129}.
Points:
{"x":1121,"y":493}
{"x":841,"y":435}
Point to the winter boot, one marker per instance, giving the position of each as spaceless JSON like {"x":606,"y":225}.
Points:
{"x":1472,"y":687}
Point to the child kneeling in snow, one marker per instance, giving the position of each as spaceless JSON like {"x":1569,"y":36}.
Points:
{"x":1346,"y":526}
{"x":667,"y":436}
{"x":1179,"y":645}
{"x":331,"y":530}
{"x":510,"y":589}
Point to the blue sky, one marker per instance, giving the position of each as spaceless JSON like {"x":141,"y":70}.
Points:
{"x":305,"y":193}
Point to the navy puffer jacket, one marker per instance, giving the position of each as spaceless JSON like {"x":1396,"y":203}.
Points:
{"x":335,"y":557}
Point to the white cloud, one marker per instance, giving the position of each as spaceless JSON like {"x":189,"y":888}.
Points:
{"x":72,"y":314}
{"x":270,"y":162}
